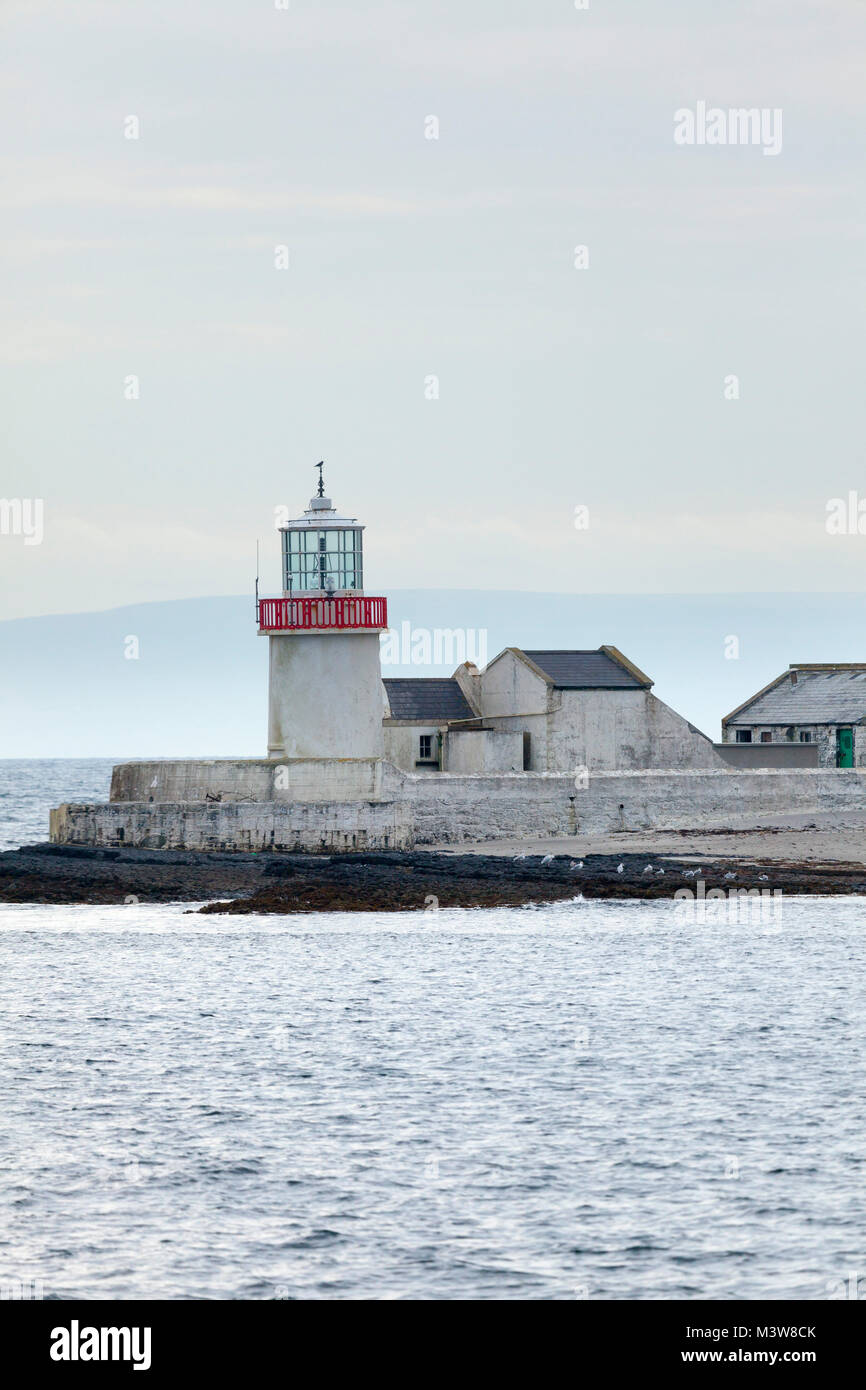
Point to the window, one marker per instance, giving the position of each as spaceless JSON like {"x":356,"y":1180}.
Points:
{"x":766,"y":737}
{"x":327,"y":559}
{"x":425,"y":747}
{"x":805,"y":736}
{"x":744,"y":736}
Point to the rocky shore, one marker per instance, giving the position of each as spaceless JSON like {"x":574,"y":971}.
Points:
{"x":382,"y":881}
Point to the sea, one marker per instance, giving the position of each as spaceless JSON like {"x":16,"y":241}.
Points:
{"x":591,"y":1100}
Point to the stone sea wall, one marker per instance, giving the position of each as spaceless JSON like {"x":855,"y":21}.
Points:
{"x":251,"y":779}
{"x":401,"y":810}
{"x":239,"y":825}
{"x":527,"y":804}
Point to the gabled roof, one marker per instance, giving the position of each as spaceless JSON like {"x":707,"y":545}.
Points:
{"x":603,"y":669}
{"x":820,"y":694}
{"x":429,"y":698}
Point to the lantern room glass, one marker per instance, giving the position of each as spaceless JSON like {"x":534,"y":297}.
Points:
{"x":327,"y":560}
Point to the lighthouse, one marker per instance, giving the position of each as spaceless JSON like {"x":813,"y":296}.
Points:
{"x":325,"y":694}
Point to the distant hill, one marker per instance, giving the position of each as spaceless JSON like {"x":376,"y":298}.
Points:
{"x":199,"y":685}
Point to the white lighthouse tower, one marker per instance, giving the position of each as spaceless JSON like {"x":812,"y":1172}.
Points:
{"x":325,"y":698}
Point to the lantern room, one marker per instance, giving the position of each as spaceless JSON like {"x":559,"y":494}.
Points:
{"x":323,"y":575}
{"x":322,"y":552}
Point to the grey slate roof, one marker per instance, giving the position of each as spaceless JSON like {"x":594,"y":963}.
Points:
{"x":591,"y":670}
{"x":427,"y":698}
{"x":818,"y":697}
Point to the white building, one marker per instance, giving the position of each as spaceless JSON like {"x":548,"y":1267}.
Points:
{"x":527,"y":711}
{"x":539,"y":711}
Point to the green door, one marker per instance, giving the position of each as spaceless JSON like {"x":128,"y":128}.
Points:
{"x":844,"y":747}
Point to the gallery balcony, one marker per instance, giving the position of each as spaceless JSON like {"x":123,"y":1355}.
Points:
{"x":346,"y":614}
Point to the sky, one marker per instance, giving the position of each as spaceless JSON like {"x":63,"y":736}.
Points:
{"x":468,"y":385}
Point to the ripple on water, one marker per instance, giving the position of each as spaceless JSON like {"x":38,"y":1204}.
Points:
{"x":587,"y":1100}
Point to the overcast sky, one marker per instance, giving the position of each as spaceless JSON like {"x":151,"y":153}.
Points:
{"x":411,"y":258}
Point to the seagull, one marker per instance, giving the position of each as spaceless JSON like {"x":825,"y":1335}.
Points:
{"x":648,"y":869}
{"x":659,"y":871}
{"x":621,"y":869}
{"x":763,"y":877}
{"x":548,"y":859}
{"x":730,"y":875}
{"x":576,"y":866}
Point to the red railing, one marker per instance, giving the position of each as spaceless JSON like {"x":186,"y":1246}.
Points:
{"x":322,"y":614}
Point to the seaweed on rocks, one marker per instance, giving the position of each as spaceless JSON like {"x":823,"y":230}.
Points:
{"x":385,"y":881}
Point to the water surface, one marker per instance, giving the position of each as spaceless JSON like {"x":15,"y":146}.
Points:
{"x":586,"y":1100}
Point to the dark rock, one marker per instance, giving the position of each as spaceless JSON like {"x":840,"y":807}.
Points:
{"x":386,"y":881}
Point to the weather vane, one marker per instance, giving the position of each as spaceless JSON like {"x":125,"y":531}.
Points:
{"x":320,"y":466}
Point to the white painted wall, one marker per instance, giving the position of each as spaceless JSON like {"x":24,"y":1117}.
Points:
{"x":509,"y":686}
{"x":401,"y":743}
{"x":249,"y":779}
{"x":484,"y":750}
{"x":325,"y":696}
{"x":610,"y":729}
{"x":624,"y":729}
